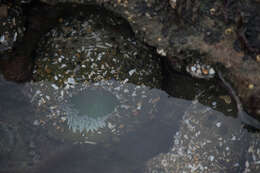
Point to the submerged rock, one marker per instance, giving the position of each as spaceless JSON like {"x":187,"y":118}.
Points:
{"x":7,"y":141}
{"x":252,"y":163}
{"x":206,"y":142}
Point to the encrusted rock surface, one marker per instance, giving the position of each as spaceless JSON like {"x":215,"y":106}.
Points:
{"x":208,"y":142}
{"x":12,"y":25}
{"x":225,"y":32}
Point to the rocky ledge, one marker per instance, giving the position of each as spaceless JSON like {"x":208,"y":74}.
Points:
{"x":223,"y":34}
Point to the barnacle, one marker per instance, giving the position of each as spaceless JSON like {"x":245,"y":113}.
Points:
{"x":200,"y":70}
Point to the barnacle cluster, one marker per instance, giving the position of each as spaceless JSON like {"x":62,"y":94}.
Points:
{"x":93,"y":54}
{"x":200,"y":70}
{"x":11,"y":25}
{"x":206,"y":142}
{"x":90,"y":80}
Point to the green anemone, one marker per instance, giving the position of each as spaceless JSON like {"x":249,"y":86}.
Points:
{"x":89,"y":109}
{"x":94,"y":103}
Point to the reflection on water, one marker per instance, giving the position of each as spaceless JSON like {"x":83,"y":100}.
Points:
{"x":179,"y":135}
{"x":128,"y":155}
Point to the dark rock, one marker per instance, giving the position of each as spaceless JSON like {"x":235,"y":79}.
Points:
{"x":19,"y":68}
{"x":3,"y":11}
{"x":12,"y":25}
{"x":253,"y":103}
{"x":209,"y":28}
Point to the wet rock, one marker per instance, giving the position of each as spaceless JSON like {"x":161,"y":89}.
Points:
{"x":186,"y":30}
{"x":12,"y":25}
{"x":208,"y":27}
{"x":16,"y":64}
{"x":4,"y":11}
{"x":206,"y":142}
{"x":253,"y":155}
{"x":83,"y":49}
{"x":7,"y":142}
{"x":253,"y":103}
{"x":18,"y":68}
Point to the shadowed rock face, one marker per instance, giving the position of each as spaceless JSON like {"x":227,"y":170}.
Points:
{"x":254,"y":102}
{"x":17,"y":69}
{"x":225,"y":32}
{"x":17,"y":64}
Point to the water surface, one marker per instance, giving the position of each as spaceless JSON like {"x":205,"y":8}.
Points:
{"x":28,"y":145}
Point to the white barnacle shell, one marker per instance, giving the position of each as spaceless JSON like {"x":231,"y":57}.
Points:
{"x":125,"y":81}
{"x":211,"y":71}
{"x":161,"y":51}
{"x":193,"y":68}
{"x":211,"y":158}
{"x":173,"y":3}
{"x":55,"y":77}
{"x":15,"y":36}
{"x":2,"y":38}
{"x":131,"y":72}
{"x":63,"y":65}
{"x":55,"y":86}
{"x":71,"y":81}
{"x":218,"y":124}
{"x":198,"y":71}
